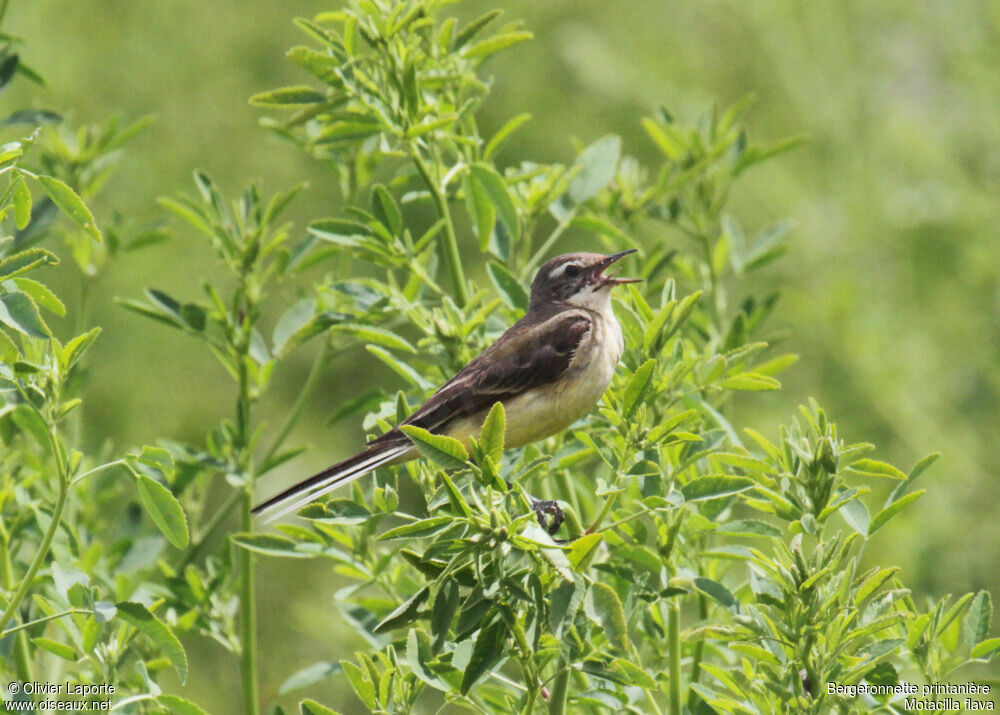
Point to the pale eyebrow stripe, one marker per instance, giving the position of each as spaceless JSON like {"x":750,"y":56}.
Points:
{"x":559,"y":270}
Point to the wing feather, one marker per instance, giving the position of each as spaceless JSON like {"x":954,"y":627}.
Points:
{"x":532,"y":353}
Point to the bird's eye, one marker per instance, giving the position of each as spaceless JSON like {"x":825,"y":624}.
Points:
{"x":572,"y":270}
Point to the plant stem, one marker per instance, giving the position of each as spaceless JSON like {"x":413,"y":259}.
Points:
{"x":248,"y":616}
{"x":452,"y":258}
{"x":44,"y":619}
{"x":699,"y":650}
{"x":674,"y":645}
{"x":247,"y":582}
{"x":43,"y":550}
{"x":560,"y":689}
{"x":22,"y":659}
{"x":549,"y":242}
{"x":319,"y":364}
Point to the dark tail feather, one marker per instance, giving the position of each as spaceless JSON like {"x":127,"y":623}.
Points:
{"x":330,"y":478}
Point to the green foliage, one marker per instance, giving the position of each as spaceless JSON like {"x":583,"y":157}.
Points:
{"x":702,"y":565}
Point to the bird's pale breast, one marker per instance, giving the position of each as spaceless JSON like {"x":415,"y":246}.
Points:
{"x":544,"y":411}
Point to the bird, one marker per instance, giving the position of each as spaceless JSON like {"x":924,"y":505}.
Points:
{"x":549,"y":369}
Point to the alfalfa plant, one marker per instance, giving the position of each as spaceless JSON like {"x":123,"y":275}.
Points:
{"x":75,"y":605}
{"x":703,"y":567}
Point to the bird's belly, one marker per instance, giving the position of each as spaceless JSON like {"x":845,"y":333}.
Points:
{"x":545,"y":411}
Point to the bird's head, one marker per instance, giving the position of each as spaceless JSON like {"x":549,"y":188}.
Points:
{"x":577,"y":279}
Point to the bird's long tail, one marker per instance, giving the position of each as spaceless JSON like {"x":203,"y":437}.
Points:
{"x":330,"y":478}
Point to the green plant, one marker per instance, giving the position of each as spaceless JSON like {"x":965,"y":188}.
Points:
{"x":658,"y":600}
{"x":73,"y":580}
{"x":702,"y":567}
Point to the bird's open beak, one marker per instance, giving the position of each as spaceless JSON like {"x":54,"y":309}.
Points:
{"x":612,"y":279}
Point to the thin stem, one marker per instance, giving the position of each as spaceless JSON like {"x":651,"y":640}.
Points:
{"x":43,"y":619}
{"x":318,"y":366}
{"x":243,"y":310}
{"x":452,"y":258}
{"x":248,"y":616}
{"x":43,"y":550}
{"x":97,"y":469}
{"x":674,"y":645}
{"x":699,"y":651}
{"x":22,"y":658}
{"x":549,"y":242}
{"x":560,"y":689}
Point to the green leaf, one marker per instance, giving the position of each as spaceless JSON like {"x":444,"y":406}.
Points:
{"x":638,"y":386}
{"x":164,"y":509}
{"x":473,"y":28}
{"x":875,"y":468}
{"x":60,"y":649}
{"x":298,"y":96}
{"x":491,"y":437}
{"x":443,"y":451}
{"x":444,"y":609}
{"x":496,"y":188}
{"x":977,"y":621}
{"x":751,"y":382}
{"x":292,"y":322}
{"x":371,"y":334}
{"x":422,"y":527}
{"x":495,"y":44}
{"x":872,"y":583}
{"x":583,"y":551}
{"x":664,"y":138}
{"x":485,"y":654}
{"x":632,"y":674}
{"x":311,"y":707}
{"x":104,"y":611}
{"x":310,"y":675}
{"x":269,"y":545}
{"x":19,"y":312}
{"x":598,"y":163}
{"x":608,"y":608}
{"x":405,"y":613}
{"x":564,"y":604}
{"x":22,"y":203}
{"x":399,"y":367}
{"x":510,"y":289}
{"x":176,"y":705}
{"x":364,"y":688}
{"x":41,"y":295}
{"x":71,"y":205}
{"x":749,"y":527}
{"x":136,"y":615}
{"x":30,"y":422}
{"x":986,"y":649}
{"x":715,"y":487}
{"x":550,"y":550}
{"x":890,"y":511}
{"x":338,"y":511}
{"x":480,"y":209}
{"x":856,"y":515}
{"x":602,"y":227}
{"x":153,"y":462}
{"x":25,"y":261}
{"x":9,"y":352}
{"x":386,"y":210}
{"x":76,"y":347}
{"x":718,"y":593}
{"x":497,"y":140}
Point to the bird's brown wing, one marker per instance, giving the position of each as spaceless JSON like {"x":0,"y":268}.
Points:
{"x":532,"y":353}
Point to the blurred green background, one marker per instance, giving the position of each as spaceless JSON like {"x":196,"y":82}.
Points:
{"x":891,"y":292}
